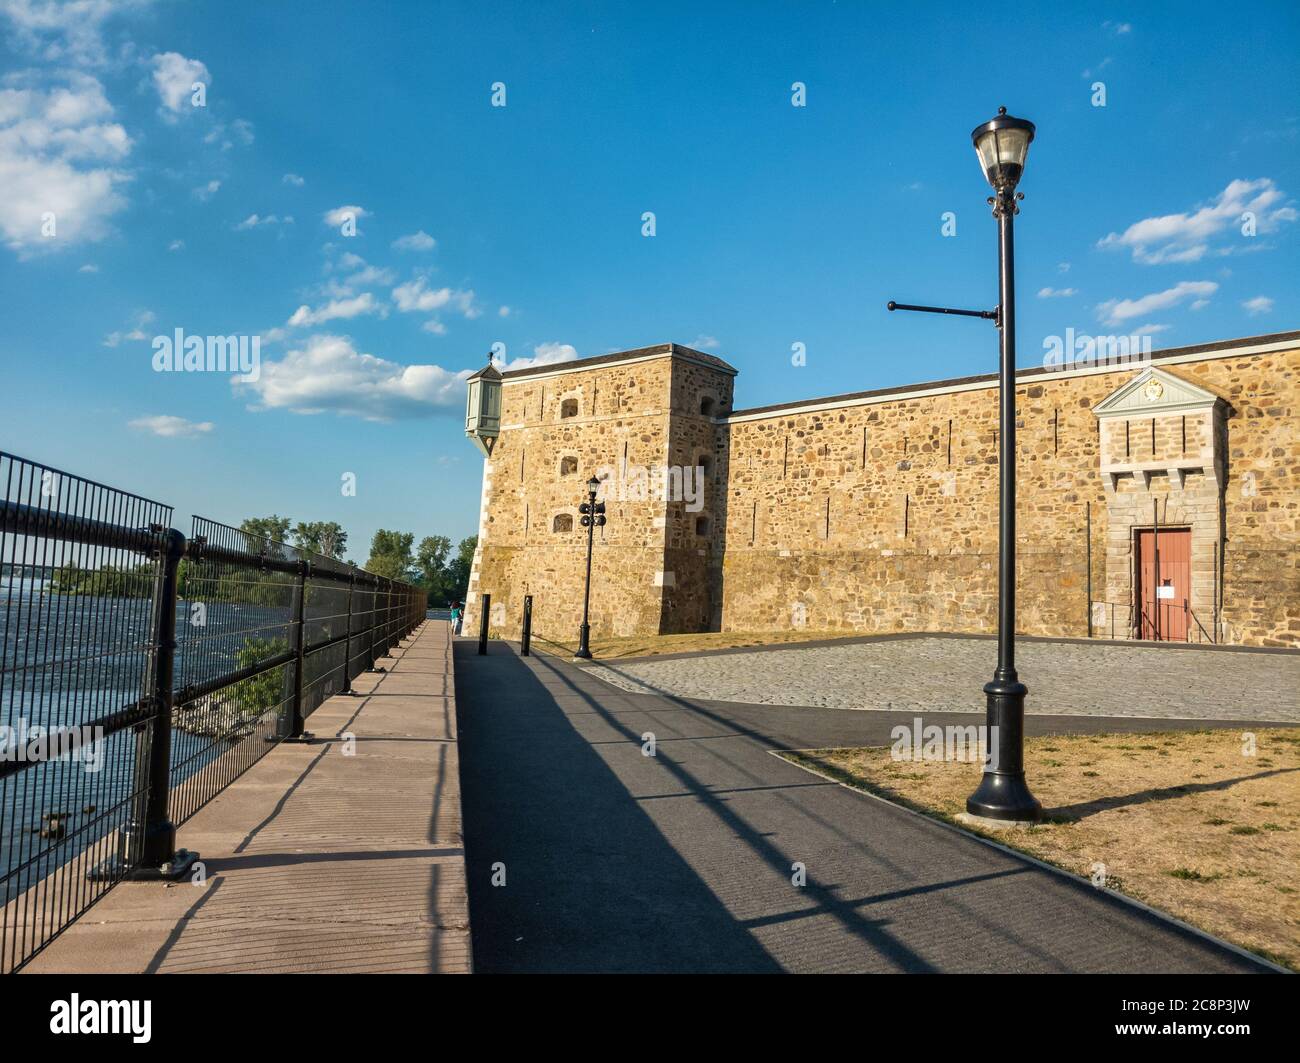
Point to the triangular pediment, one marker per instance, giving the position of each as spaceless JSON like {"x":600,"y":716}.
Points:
{"x":1153,"y":391}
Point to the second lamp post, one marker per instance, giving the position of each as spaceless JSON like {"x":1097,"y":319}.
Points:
{"x":593,"y":517}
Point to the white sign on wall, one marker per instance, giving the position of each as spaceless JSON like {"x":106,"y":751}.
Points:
{"x":1164,"y":592}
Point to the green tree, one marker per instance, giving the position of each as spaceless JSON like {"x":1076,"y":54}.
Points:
{"x":321,"y":537}
{"x":457,"y":572}
{"x":263,"y":692}
{"x":431,"y":559}
{"x":261,"y":534}
{"x":390,"y":554}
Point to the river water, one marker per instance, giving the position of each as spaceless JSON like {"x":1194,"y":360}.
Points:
{"x":68,"y":660}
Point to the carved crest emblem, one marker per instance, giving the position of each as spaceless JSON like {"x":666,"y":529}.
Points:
{"x":1153,"y":390}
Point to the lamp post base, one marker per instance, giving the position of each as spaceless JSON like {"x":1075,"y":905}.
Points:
{"x":1003,"y":793}
{"x":1004,"y":796}
{"x":583,"y":652}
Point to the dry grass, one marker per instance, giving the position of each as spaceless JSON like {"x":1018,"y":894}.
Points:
{"x":1183,"y":821}
{"x":653,"y":645}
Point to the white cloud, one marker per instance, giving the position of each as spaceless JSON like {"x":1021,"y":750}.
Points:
{"x":239,"y":130}
{"x":1094,"y":71}
{"x":435,"y":326}
{"x":1261,"y":304}
{"x":339,"y":215}
{"x":57,"y":150}
{"x":328,"y":374}
{"x":1117,"y":311}
{"x":294,"y":179}
{"x":704,"y":343}
{"x":64,"y":31}
{"x":1150,"y":329}
{"x":1186,"y":237}
{"x":205,"y":192}
{"x":545,"y":354}
{"x":89,"y":267}
{"x":135,"y":332}
{"x":170,"y":427}
{"x":335,"y":289}
{"x":174,"y":77}
{"x":338,"y":309}
{"x":368,"y":275}
{"x":1056,"y":293}
{"x":503,"y":311}
{"x":416,"y":241}
{"x":254,"y":221}
{"x":176,"y":245}
{"x":416,"y":296}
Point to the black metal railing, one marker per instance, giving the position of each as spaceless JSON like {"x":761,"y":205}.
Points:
{"x":141,"y":672}
{"x":1169,"y":620}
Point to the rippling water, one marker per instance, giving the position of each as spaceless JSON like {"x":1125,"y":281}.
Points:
{"x":69,"y":660}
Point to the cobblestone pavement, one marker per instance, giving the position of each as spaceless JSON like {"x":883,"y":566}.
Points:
{"x":930,"y":673}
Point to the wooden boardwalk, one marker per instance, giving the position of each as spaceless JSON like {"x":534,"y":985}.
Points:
{"x":335,"y":856}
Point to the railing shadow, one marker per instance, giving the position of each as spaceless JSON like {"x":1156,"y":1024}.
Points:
{"x":590,"y":883}
{"x":1164,"y":793}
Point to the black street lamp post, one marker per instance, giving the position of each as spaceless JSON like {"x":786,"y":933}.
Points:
{"x":593,"y":517}
{"x":1003,"y":793}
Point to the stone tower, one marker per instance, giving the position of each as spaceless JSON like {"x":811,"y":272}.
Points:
{"x":647,"y":423}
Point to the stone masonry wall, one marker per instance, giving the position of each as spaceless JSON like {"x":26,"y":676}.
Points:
{"x":883,"y":517}
{"x":879,"y":516}
{"x":1261,"y":562}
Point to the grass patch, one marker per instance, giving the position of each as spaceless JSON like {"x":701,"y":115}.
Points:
{"x":613,"y":648}
{"x":1219,"y":852}
{"x":1189,"y":875}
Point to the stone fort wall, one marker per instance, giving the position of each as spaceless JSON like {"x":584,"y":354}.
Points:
{"x":878,"y":512}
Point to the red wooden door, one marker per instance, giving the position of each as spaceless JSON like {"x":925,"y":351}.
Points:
{"x":1164,"y":598}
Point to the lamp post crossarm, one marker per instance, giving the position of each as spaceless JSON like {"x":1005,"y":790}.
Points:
{"x":987,"y":315}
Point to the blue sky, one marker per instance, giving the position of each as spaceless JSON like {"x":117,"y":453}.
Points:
{"x":522,"y":224}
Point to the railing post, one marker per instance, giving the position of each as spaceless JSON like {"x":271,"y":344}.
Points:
{"x":291,"y":721}
{"x":384,"y":634}
{"x":147,"y":847}
{"x":483,"y":624}
{"x":1087,"y":539}
{"x":374,"y":624}
{"x":347,"y":640}
{"x":527,"y":636}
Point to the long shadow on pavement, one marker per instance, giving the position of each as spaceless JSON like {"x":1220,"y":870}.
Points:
{"x":554,"y":787}
{"x":590,"y":882}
